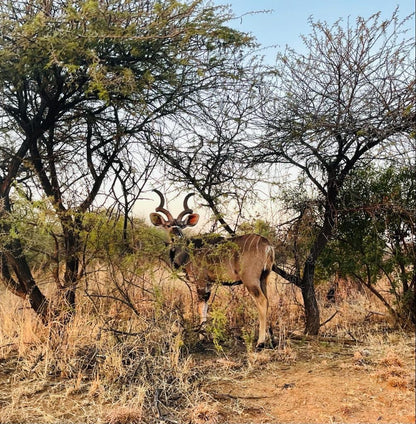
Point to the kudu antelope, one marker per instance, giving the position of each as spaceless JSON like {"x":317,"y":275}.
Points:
{"x":246,"y":259}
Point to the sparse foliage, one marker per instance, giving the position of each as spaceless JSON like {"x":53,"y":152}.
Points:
{"x":203,"y":148}
{"x":327,"y":110}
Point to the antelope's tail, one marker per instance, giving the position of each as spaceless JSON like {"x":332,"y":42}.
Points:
{"x":269,"y":262}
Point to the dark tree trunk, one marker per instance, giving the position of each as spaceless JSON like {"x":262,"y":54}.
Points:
{"x":12,"y":258}
{"x":312,"y":322}
{"x":24,"y":285}
{"x":73,"y":248}
{"x":312,"y":315}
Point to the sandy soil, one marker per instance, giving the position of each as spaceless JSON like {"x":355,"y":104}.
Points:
{"x":323,"y":384}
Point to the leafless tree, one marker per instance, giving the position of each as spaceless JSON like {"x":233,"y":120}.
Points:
{"x":327,"y":110}
{"x":202,"y":149}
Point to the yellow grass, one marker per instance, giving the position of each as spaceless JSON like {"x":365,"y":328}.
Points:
{"x":131,"y":355}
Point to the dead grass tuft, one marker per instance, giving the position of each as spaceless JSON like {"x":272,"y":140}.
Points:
{"x":205,"y":413}
{"x":348,"y":409}
{"x":393,"y":372}
{"x":391,"y":360}
{"x":124,"y":415}
{"x":398,"y":382}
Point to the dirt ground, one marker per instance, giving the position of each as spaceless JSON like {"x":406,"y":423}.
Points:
{"x":322,"y":383}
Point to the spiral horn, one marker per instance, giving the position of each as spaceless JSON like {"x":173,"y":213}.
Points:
{"x":161,"y":207}
{"x":187,"y":209}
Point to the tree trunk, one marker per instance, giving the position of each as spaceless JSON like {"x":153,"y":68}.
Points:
{"x":312,"y":324}
{"x":12,"y":257}
{"x":25,"y":286}
{"x":312,"y":315}
{"x":73,"y":248}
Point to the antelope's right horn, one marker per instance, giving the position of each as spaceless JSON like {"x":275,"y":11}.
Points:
{"x":161,"y":208}
{"x":187,"y":209}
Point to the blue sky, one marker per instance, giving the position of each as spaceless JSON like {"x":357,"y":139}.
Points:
{"x":289,"y":18}
{"x":283,"y":26}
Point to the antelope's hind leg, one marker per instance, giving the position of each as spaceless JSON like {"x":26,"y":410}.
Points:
{"x":258,"y":293}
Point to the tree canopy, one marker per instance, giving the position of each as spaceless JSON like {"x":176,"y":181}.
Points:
{"x":83,"y":82}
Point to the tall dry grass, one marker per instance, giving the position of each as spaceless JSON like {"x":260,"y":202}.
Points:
{"x":123,"y":354}
{"x":131,"y":353}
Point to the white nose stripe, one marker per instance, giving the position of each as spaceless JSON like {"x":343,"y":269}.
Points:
{"x":175,"y":229}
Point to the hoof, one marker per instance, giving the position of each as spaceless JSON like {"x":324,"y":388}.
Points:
{"x":201,"y":331}
{"x":268,"y":344}
{"x":260,"y":347}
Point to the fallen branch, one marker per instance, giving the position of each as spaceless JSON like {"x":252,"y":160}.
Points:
{"x":331,"y":339}
{"x":371,"y":313}
{"x":222,"y":396}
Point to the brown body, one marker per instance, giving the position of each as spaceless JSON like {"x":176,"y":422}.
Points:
{"x":246,"y":259}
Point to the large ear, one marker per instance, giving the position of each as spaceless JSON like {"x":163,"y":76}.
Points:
{"x":157,"y":219}
{"x":192,"y":219}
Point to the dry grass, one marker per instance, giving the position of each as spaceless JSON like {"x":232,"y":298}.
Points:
{"x":393,"y":371}
{"x":131,"y":355}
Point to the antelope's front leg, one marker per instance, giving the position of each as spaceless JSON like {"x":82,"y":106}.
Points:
{"x":203,"y":293}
